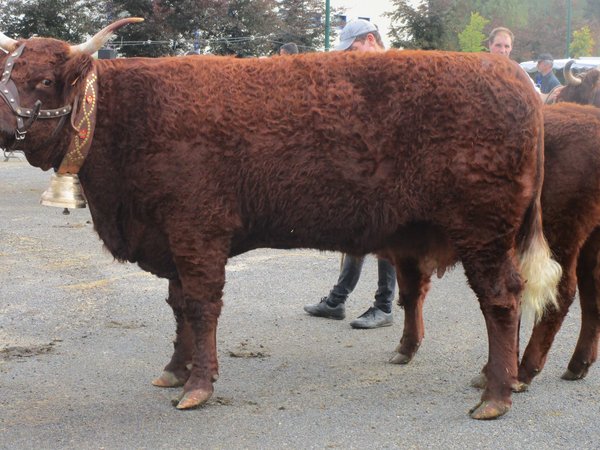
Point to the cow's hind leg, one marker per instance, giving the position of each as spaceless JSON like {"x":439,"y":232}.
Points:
{"x":177,"y":371}
{"x":588,"y":275}
{"x":544,"y":332}
{"x":413,"y":286}
{"x":497,"y":283}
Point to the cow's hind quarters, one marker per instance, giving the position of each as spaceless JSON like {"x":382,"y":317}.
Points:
{"x":169,"y":379}
{"x":489,"y":409}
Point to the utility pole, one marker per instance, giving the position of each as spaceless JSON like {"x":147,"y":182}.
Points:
{"x":328,"y":24}
{"x":569,"y":14}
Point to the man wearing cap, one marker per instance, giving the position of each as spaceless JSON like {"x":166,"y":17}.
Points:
{"x":359,"y":35}
{"x":544,"y":67}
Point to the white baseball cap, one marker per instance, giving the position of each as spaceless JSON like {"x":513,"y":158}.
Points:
{"x":352,"y":30}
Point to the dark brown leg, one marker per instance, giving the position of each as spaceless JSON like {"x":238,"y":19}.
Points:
{"x":544,"y":332}
{"x":497,"y":285}
{"x":413,"y":286}
{"x":588,"y":273}
{"x":202,"y":281}
{"x":177,"y":371}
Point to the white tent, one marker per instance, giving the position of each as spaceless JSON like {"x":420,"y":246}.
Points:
{"x":583,"y":63}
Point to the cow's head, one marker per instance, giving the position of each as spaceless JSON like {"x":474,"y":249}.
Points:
{"x":583,"y":89}
{"x":40,"y":82}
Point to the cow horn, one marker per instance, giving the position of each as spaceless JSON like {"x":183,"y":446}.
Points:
{"x":95,"y":43}
{"x":571,"y":79}
{"x":7,"y":43}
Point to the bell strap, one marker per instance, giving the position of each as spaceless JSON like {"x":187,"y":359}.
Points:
{"x":83,"y":121}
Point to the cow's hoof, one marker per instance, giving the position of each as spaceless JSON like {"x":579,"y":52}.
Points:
{"x":479,"y":382}
{"x":489,"y":409}
{"x":195,"y":398}
{"x":571,"y":376}
{"x":399,"y":358}
{"x":519,"y":386}
{"x":168,"y":379}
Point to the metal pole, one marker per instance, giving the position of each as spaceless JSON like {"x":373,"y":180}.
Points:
{"x":567,"y":54}
{"x":327,"y":25}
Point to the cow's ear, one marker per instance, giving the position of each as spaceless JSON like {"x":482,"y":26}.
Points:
{"x":76,"y":69}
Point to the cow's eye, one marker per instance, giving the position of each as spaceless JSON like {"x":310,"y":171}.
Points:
{"x":47,"y":82}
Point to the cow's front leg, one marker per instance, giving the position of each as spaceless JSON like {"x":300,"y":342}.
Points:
{"x":203,"y":317}
{"x":177,"y":372}
{"x":413,"y":286}
{"x":202,"y":275}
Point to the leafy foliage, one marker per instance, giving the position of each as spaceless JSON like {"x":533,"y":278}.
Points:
{"x":583,"y":43}
{"x":540,"y":26}
{"x":67,"y":20}
{"x":420,"y":26}
{"x":471,"y":38}
{"x":302,"y":22}
{"x":259,"y":27}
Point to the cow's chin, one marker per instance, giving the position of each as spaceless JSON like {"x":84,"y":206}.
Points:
{"x":7,"y":138}
{"x":41,"y":159}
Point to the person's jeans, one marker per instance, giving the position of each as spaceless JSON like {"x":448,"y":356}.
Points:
{"x":349,"y":275}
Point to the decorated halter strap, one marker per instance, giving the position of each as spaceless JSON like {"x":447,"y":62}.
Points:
{"x":83,"y":122}
{"x":10,"y":94}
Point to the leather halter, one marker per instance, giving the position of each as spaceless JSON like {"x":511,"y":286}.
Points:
{"x":8,"y":91}
{"x":83,"y":120}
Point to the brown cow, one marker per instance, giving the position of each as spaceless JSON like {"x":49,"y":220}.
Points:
{"x":571,"y":211}
{"x":583,"y":89}
{"x":196,"y":159}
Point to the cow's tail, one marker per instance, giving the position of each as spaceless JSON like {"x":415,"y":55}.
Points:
{"x":540,"y":272}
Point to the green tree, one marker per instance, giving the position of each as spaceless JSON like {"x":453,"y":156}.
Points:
{"x":160,"y":33}
{"x":421,"y":26}
{"x":71,"y":21}
{"x":472,"y":37}
{"x":513,"y":14}
{"x":582,"y":43}
{"x":302,"y":22}
{"x":245,"y":30}
{"x":225,"y":27}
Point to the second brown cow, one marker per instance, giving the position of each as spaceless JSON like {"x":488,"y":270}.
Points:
{"x":571,"y":213}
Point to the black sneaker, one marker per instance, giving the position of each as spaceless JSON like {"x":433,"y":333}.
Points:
{"x":373,"y":318}
{"x":322,"y":309}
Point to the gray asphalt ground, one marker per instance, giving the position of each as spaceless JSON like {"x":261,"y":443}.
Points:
{"x":82,"y":336}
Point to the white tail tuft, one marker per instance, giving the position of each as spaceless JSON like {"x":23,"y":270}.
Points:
{"x":541,"y":275}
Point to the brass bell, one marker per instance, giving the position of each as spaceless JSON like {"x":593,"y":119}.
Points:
{"x":64,"y":192}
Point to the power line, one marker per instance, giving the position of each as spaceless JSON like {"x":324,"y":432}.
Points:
{"x":225,"y":40}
